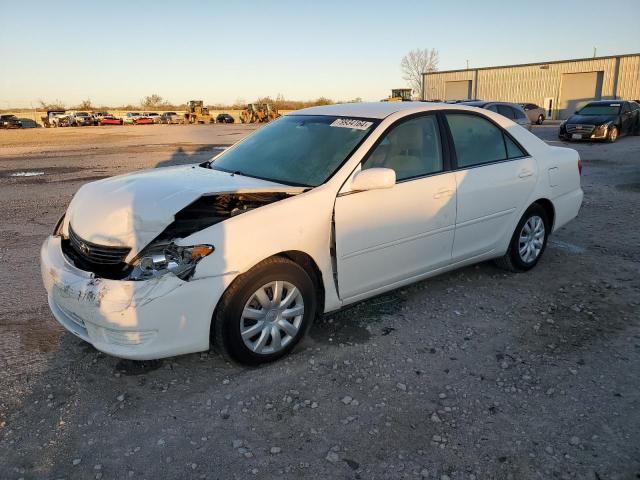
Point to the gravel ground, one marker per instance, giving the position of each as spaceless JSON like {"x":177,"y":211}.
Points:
{"x":473,"y":374}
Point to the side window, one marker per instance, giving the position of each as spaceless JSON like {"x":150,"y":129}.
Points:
{"x":625,"y":108}
{"x":513,"y":150}
{"x":478,"y":141}
{"x":412,"y":149}
{"x":518,"y":114}
{"x":492,"y":108}
{"x":506,"y":111}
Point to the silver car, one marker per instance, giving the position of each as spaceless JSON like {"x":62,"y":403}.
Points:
{"x":512,"y":111}
{"x":535,"y":113}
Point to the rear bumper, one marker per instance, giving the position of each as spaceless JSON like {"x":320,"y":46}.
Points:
{"x":567,"y":206}
{"x":142,"y":320}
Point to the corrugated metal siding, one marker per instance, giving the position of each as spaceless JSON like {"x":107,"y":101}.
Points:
{"x":435,"y":83}
{"x":534,"y":83}
{"x":629,"y":78}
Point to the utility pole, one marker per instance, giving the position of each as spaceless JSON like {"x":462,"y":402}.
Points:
{"x":594,"y":52}
{"x":467,"y":64}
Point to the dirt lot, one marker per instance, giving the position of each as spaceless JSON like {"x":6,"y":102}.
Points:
{"x":473,"y":374}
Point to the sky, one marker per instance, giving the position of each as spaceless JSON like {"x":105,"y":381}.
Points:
{"x":118,"y":52}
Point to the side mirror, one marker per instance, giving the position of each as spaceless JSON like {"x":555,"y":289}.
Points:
{"x":374,"y":179}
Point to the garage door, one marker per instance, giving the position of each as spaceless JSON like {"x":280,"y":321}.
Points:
{"x":459,"y":90}
{"x":576,"y":90}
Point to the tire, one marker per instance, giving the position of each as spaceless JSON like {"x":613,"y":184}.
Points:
{"x":514,"y":260}
{"x":612,"y":134}
{"x":540,"y":119}
{"x":259,"y":344}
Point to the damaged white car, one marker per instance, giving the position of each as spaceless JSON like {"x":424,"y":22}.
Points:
{"x":321,"y":208}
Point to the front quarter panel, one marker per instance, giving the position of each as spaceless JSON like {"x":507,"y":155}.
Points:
{"x":301,"y":223}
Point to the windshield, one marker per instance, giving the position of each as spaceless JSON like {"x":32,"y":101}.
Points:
{"x":600,"y":109}
{"x":296,"y":149}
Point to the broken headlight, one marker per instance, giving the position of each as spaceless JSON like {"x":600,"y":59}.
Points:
{"x":158,"y":260}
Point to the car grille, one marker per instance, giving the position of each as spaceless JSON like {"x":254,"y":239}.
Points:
{"x":97,"y":254}
{"x":576,"y":128}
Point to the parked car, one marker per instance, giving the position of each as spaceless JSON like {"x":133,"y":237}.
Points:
{"x":512,"y":111}
{"x":10,"y":121}
{"x":110,"y":120}
{"x":326,"y":207}
{"x":224,"y":118}
{"x":97,"y":116}
{"x":143,"y":120}
{"x":155,"y":116}
{"x":81,"y":119}
{"x":130,"y":118}
{"x":56,"y":118}
{"x":170,"y":118}
{"x":602,"y":120}
{"x":535,"y":113}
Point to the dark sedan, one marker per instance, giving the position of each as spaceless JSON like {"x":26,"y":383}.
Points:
{"x":602,"y":120}
{"x":10,"y":121}
{"x":224,"y":118}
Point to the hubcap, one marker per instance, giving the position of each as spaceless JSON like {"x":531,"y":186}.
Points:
{"x":614,"y":134}
{"x":271,"y":318}
{"x":531,"y":239}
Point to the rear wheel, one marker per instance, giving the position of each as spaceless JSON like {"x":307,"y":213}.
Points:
{"x":528,"y":241}
{"x":540,"y":119}
{"x":265,"y":312}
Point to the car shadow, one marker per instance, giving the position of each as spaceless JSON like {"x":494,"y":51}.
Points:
{"x":184,"y":156}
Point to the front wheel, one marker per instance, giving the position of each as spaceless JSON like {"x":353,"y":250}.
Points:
{"x":265,"y":312}
{"x":612,"y":135}
{"x":540,"y":119}
{"x":528,"y":241}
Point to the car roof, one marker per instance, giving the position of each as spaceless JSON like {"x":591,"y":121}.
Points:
{"x":367,"y":110}
{"x":605,"y":102}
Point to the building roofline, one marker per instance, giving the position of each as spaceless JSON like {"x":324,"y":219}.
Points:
{"x":533,"y":64}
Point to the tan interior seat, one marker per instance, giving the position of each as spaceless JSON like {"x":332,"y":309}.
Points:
{"x":405,"y":151}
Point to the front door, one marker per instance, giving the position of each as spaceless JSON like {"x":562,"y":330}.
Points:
{"x":385,"y":237}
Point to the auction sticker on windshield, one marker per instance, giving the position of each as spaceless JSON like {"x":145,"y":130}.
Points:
{"x":351,"y":123}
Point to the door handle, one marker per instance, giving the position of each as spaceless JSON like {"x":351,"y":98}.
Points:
{"x":443,"y":192}
{"x":524,"y":173}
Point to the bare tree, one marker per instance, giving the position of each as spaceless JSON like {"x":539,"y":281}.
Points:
{"x":417,"y":62}
{"x":56,"y":105}
{"x":85,"y":105}
{"x":152,"y":101}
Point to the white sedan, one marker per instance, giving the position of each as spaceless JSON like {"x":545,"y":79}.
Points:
{"x":322,"y":208}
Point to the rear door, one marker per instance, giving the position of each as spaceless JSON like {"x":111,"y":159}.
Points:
{"x":494,"y":179}
{"x":627,"y":118}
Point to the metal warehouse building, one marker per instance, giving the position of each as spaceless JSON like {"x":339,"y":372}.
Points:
{"x":561,"y":87}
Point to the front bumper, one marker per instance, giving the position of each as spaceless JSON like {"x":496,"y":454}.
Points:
{"x":598,"y":132}
{"x":141,"y":320}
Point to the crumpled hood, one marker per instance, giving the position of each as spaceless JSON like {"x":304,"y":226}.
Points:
{"x":133,"y":209}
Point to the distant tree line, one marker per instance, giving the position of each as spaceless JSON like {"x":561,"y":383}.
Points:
{"x":157,"y":102}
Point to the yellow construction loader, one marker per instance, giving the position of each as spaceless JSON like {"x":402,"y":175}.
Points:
{"x":399,"y":95}
{"x":259,"y":113}
{"x":197,"y":113}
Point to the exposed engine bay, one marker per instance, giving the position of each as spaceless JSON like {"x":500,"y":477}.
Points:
{"x":162,"y":255}
{"x":211,"y":209}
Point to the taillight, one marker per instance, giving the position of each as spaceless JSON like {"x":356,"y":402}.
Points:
{"x":580,"y":166}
